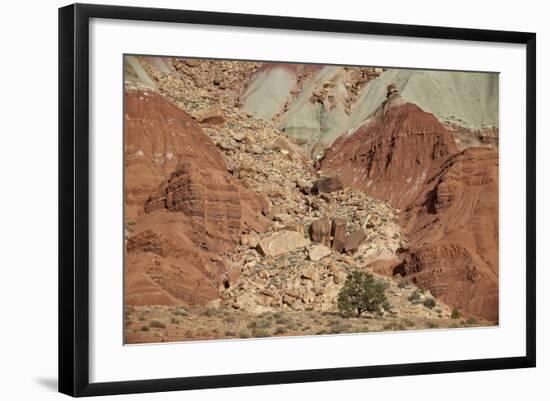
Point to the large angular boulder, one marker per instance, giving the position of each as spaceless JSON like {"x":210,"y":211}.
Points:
{"x":281,"y":242}
{"x":327,"y":185}
{"x":338,"y":232}
{"x":211,"y":115}
{"x":320,"y":231}
{"x":354,"y":240}
{"x":318,"y":252}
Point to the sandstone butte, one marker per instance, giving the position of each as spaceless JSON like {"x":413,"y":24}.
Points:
{"x":448,"y":201}
{"x":173,"y":256}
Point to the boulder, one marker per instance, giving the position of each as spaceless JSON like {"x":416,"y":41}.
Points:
{"x":354,"y":240}
{"x":251,"y":240}
{"x":211,"y":115}
{"x":338,"y":232}
{"x":318,"y":252}
{"x":191,"y":62}
{"x":327,"y":185}
{"x":320,"y":231}
{"x":281,"y":242}
{"x":282,"y":217}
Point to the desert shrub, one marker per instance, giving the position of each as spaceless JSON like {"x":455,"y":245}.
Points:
{"x":229,"y":333}
{"x":432,"y":325}
{"x":402,"y":284}
{"x":244,"y":334}
{"x":229,"y":319}
{"x":455,"y":314}
{"x":208,"y":312}
{"x":321,"y":332}
{"x":282,"y":320}
{"x":174,"y":321}
{"x":259,"y":332}
{"x":157,"y":324}
{"x":395,"y":326}
{"x":414,"y":296}
{"x":471,"y":321}
{"x":145,"y":328}
{"x":280,"y":330}
{"x":429,"y":303}
{"x":339,"y":328}
{"x":386,"y":306}
{"x":361,"y":292}
{"x":408,"y":322}
{"x":180,"y":312}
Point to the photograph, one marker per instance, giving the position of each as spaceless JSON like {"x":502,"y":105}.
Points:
{"x":273,"y":199}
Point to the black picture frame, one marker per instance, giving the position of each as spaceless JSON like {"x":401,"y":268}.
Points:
{"x":74,"y":199}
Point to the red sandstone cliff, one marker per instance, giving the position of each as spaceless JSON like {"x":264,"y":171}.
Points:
{"x":453,"y":227}
{"x":178,"y":227}
{"x":449,"y":200}
{"x":390,"y":155}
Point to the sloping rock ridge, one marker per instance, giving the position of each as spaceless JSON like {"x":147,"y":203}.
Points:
{"x":176,"y":228}
{"x":448,"y":200}
{"x":391,"y":154}
{"x":454,"y":229}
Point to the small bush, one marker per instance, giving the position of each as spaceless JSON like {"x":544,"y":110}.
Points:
{"x":180,"y":312}
{"x":432,"y":325}
{"x":339,"y":328}
{"x":174,"y":321}
{"x":229,"y":333}
{"x":455,"y":314}
{"x":414,"y":296}
{"x":145,"y":328}
{"x":386,"y":306}
{"x":244,"y":334}
{"x":361,"y":292}
{"x":259,"y":332}
{"x":471,"y":321}
{"x":157,"y":324}
{"x":429,"y":303}
{"x":402,"y":284}
{"x":208,"y":312}
{"x":282,"y":320}
{"x":280,"y":330}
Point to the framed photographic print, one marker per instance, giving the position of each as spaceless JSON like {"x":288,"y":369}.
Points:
{"x":249,"y":199}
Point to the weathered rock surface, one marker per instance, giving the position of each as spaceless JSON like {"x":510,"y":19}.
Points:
{"x":318,"y":252}
{"x":217,"y":204}
{"x":449,"y":200}
{"x":390,"y":155}
{"x":339,"y":232}
{"x":198,"y":212}
{"x":328,"y":185}
{"x":281,"y":242}
{"x":320,"y":231}
{"x":454,"y":231}
{"x":355,"y":240}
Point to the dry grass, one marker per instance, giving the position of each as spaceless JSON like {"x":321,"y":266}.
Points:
{"x":167,"y":324}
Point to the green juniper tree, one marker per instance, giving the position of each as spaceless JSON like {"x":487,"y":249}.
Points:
{"x":361,"y":292}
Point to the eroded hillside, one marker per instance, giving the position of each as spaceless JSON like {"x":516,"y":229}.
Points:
{"x":232,"y":223}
